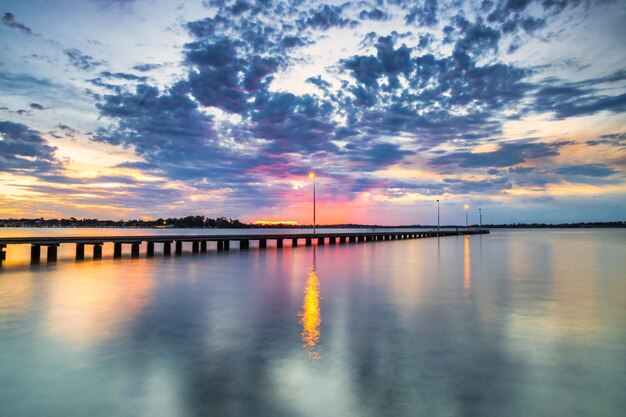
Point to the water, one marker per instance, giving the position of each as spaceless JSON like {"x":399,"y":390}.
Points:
{"x":516,"y":323}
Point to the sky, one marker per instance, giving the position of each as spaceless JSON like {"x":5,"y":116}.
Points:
{"x":126,"y":109}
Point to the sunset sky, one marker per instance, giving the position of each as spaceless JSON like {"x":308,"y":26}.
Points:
{"x":122,"y":109}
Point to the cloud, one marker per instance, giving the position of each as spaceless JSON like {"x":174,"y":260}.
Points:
{"x":424,"y":14}
{"x":82,"y":61}
{"x":293,"y":123}
{"x":374,"y":14}
{"x":147,"y":67}
{"x":8,"y":19}
{"x":587,"y":170}
{"x":37,"y":106}
{"x":458,"y":186}
{"x":375,"y":156}
{"x":507,"y":154}
{"x":324,"y":18}
{"x":610,"y":139}
{"x":123,"y":76}
{"x":23,"y":150}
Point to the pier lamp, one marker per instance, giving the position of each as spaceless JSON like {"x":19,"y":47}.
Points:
{"x":480,"y":217}
{"x":312,"y":176}
{"x":437,"y":214}
{"x":466,"y":216}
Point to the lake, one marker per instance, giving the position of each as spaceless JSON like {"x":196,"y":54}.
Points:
{"x":515,"y":323}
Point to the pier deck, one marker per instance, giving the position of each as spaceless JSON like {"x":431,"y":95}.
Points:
{"x":199,"y":242}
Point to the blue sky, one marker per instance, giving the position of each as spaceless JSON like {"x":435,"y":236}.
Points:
{"x":133,"y":108}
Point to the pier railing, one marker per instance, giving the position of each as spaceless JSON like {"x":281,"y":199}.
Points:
{"x":199,"y":242}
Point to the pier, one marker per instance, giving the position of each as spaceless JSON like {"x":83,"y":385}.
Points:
{"x":199,"y":243}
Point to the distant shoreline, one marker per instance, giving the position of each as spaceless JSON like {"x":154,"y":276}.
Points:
{"x":235,"y":224}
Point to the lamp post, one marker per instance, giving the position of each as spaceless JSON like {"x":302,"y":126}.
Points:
{"x":480,"y":216}
{"x":312,"y":176}
{"x":466,"y":216}
{"x":437,"y":214}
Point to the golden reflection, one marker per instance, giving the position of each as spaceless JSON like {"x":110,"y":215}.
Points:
{"x":95,"y":304}
{"x":467,"y":277}
{"x":310,"y":316}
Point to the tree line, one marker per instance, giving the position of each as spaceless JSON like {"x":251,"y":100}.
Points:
{"x":199,"y":222}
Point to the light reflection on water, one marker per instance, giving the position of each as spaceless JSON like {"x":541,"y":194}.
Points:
{"x":515,"y":323}
{"x":310,"y":316}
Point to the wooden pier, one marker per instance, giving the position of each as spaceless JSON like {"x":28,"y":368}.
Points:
{"x":199,"y":242}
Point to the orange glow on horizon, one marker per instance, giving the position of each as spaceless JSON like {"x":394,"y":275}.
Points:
{"x":265,"y":222}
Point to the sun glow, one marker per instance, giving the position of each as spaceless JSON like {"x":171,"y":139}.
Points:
{"x":265,"y":222}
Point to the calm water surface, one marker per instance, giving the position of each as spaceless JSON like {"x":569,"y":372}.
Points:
{"x":516,"y":323}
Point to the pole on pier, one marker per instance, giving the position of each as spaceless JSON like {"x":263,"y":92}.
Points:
{"x":312,"y":176}
{"x":307,"y":241}
{"x":167,"y":248}
{"x":437,"y":214}
{"x":203,"y":246}
{"x":279,"y":243}
{"x":3,"y":254}
{"x":179,"y":247}
{"x":227,"y":245}
{"x":294,"y":242}
{"x":480,"y":215}
{"x":195,"y":246}
{"x":466,"y":216}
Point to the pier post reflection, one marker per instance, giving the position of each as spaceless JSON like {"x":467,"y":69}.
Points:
{"x":310,"y":315}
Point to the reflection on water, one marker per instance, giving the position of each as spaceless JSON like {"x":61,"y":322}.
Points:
{"x":226,"y":333}
{"x":310,"y":315}
{"x":467,"y":277}
{"x":92,"y":306}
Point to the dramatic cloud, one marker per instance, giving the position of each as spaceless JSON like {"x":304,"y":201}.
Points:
{"x":23,"y":150}
{"x":402,"y":100}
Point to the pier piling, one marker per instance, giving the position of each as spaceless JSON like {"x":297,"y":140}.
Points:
{"x":52,"y":253}
{"x":97,"y":251}
{"x":134,"y":251}
{"x":117,"y":250}
{"x":150,"y":249}
{"x":80,"y":251}
{"x":35,"y":254}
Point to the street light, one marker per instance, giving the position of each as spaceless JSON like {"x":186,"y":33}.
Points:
{"x":480,"y":216}
{"x":437,"y":215}
{"x":312,"y":176}
{"x":466,"y":216}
